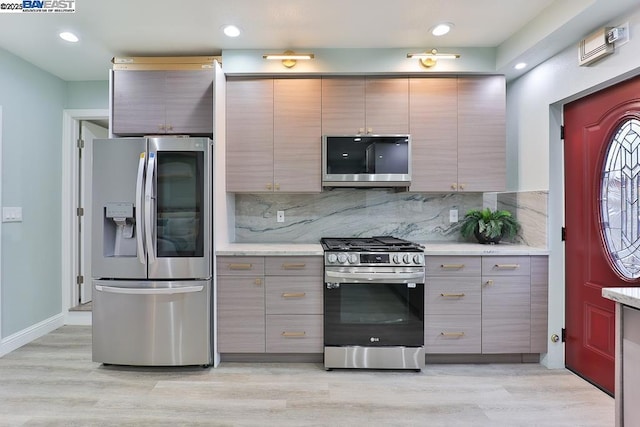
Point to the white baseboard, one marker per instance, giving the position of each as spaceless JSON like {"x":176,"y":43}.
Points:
{"x":17,"y":340}
{"x":78,"y":318}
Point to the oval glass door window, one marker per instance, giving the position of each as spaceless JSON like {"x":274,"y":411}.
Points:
{"x":620,"y":204}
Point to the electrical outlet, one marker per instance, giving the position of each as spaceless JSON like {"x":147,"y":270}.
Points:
{"x":12,"y":214}
{"x":280,"y":216}
{"x":453,"y":215}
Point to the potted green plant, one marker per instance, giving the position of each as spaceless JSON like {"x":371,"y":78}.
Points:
{"x":489,"y":226}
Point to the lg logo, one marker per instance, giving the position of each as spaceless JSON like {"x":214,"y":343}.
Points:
{"x":374,"y":339}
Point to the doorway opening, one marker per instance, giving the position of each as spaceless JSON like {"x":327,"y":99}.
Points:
{"x":80,"y":128}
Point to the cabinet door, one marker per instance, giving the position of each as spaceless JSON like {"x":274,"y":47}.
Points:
{"x":506,"y":314}
{"x":387,"y":105}
{"x":249,"y":143}
{"x":297,"y":135}
{"x":189,"y":102}
{"x":481,"y":133}
{"x":343,"y":105}
{"x":539,"y":303}
{"x":433,"y":125}
{"x":241,"y":321}
{"x":138,"y":102}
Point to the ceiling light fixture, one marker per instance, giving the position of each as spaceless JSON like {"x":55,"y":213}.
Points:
{"x":429,"y":59}
{"x":68,"y":36}
{"x":231,"y":31}
{"x":520,"y":65}
{"x":288,"y":58}
{"x":441,"y":29}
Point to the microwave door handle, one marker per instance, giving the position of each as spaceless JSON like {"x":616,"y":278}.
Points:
{"x":149,"y":208}
{"x":142,"y":256}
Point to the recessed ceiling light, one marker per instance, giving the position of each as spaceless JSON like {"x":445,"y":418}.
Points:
{"x":441,"y":29}
{"x":231,"y":30}
{"x":520,"y":65}
{"x":67,"y":36}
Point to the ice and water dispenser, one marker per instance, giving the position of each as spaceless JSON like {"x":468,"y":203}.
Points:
{"x":119,"y":230}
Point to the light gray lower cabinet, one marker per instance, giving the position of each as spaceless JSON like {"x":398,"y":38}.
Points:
{"x":629,"y":374}
{"x":486,"y":305}
{"x":288,"y":317}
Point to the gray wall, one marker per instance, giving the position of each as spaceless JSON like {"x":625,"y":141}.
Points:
{"x":33,"y":101}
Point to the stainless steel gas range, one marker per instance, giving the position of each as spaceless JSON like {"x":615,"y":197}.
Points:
{"x":373,"y":303}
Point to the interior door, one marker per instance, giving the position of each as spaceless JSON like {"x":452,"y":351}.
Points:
{"x":602,"y":172}
{"x":88,"y":132}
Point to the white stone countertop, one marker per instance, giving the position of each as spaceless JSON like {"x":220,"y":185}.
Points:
{"x":627,"y":296}
{"x":430,"y":248}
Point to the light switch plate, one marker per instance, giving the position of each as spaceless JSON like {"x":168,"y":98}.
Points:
{"x":12,"y":214}
{"x":280,"y":216}
{"x":453,"y":215}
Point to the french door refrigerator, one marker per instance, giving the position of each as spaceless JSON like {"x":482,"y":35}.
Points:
{"x":151,"y":251}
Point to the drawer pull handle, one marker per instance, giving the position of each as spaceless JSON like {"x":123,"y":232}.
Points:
{"x":452,"y":266}
{"x":507,"y":266}
{"x":293,"y":294}
{"x":258,"y":282}
{"x":293,"y":334}
{"x":452,"y":334}
{"x":489,"y":282}
{"x":240,"y":266}
{"x":294,"y":266}
{"x":453,"y":295}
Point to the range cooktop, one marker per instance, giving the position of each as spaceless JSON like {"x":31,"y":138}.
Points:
{"x":369,"y":244}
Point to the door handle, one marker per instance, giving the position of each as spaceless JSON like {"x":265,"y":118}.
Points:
{"x":139,"y":208}
{"x":149,"y":207}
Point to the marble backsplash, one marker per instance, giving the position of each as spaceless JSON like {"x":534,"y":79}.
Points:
{"x":370,"y":212}
{"x":349,"y":212}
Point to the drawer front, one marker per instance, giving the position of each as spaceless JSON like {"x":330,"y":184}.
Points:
{"x":453,"y":265}
{"x":293,"y":295}
{"x":294,"y":266}
{"x":294,"y":333}
{"x":452,"y":334}
{"x":506,"y":266}
{"x":239,"y":266}
{"x":453,"y":295}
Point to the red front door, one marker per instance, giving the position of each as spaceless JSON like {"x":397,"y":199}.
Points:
{"x":590,"y":125}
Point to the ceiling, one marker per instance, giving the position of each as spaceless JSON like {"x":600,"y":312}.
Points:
{"x":515,"y":28}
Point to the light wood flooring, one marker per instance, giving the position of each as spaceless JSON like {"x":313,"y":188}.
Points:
{"x":53,"y":382}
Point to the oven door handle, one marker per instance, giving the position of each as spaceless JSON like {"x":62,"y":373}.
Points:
{"x":342,"y":277}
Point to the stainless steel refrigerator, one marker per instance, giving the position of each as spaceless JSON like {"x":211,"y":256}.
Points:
{"x":151,"y":251}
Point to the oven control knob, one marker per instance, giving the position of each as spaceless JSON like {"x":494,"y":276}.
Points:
{"x":396,"y":259}
{"x":332,"y":258}
{"x":417,"y":259}
{"x":342,"y":258}
{"x":406,"y":258}
{"x":353,"y":258}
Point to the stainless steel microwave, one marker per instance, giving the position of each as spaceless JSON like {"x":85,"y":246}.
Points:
{"x":366,"y":161}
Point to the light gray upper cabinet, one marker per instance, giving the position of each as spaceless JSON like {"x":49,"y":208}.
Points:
{"x":433,"y":125}
{"x":481,"y":133}
{"x":458,"y":132}
{"x":273,"y":135}
{"x":162,"y":102}
{"x":365,"y":105}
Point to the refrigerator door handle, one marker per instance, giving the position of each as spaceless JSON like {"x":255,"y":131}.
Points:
{"x":149,"y":209}
{"x":149,"y":291}
{"x":139,"y":208}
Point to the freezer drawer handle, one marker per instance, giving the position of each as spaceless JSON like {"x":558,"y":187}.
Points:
{"x":149,"y":291}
